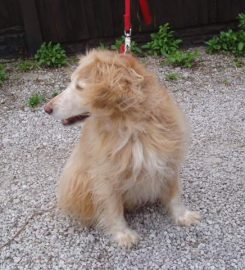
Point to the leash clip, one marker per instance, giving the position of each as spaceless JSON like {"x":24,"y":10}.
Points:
{"x":127,"y":41}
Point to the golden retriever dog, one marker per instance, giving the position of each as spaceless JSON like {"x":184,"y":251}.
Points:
{"x":132,"y":145}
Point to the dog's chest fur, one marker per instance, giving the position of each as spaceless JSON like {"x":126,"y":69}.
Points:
{"x":132,"y":161}
{"x":149,"y":169}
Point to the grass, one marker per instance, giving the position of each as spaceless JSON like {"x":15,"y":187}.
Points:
{"x":51,"y":55}
{"x":27,"y":65}
{"x":229,"y":41}
{"x":3,"y":75}
{"x":55,"y":93}
{"x":226,"y":82}
{"x":103,"y":46}
{"x":35,"y":100}
{"x":182,"y":59}
{"x":239,"y":63}
{"x":163,"y":42}
{"x":73,"y":60}
{"x":172,"y":76}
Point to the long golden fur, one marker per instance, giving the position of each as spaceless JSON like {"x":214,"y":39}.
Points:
{"x":131,"y":148}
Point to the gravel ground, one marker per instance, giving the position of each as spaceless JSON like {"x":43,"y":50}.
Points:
{"x":34,"y":148}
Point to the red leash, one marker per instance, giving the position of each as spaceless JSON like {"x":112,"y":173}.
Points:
{"x":127,"y":16}
{"x":127,"y":22}
{"x":146,"y":11}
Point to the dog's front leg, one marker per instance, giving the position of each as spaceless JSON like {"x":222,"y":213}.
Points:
{"x":111,"y":219}
{"x":171,"y":198}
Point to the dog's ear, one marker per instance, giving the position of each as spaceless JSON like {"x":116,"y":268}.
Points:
{"x":99,"y":95}
{"x":119,"y":93}
{"x":128,"y":89}
{"x":117,"y":84}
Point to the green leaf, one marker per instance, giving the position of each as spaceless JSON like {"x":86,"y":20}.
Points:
{"x":163,"y":42}
{"x":51,"y":55}
{"x":229,"y":41}
{"x":240,"y":46}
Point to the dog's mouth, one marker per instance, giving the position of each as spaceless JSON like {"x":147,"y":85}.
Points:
{"x":74,"y":119}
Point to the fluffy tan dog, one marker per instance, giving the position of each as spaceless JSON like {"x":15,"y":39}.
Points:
{"x":131,"y":148}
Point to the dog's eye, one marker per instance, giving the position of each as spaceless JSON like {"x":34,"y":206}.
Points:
{"x":79,"y":87}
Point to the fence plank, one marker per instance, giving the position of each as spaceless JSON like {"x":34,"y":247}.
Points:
{"x":87,"y":22}
{"x":117,"y":17}
{"x":31,"y":24}
{"x":63,"y":20}
{"x":10,"y":15}
{"x":103,"y":15}
{"x":90,"y":7}
{"x":227,"y":10}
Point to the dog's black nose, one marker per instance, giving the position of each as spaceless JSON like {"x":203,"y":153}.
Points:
{"x":48,"y":109}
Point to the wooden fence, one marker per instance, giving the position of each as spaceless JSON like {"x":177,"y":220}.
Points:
{"x":25,"y":24}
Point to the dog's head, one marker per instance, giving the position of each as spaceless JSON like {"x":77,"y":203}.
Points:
{"x":104,"y":84}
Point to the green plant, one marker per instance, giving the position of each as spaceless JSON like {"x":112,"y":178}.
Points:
{"x":226,"y":82}
{"x":35,"y":100}
{"x":239,"y":63}
{"x":182,"y":59}
{"x":213,"y":45}
{"x":73,"y":60}
{"x":135,"y":49}
{"x":118,"y":43}
{"x":163,"y":42}
{"x":55,"y":93}
{"x":241,"y":18}
{"x":103,"y":46}
{"x":172,"y":76}
{"x":51,"y":55}
{"x":27,"y":65}
{"x":3,"y":75}
{"x":229,"y":41}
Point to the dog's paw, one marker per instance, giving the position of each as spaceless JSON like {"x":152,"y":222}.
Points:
{"x":188,"y":218}
{"x":126,"y":238}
